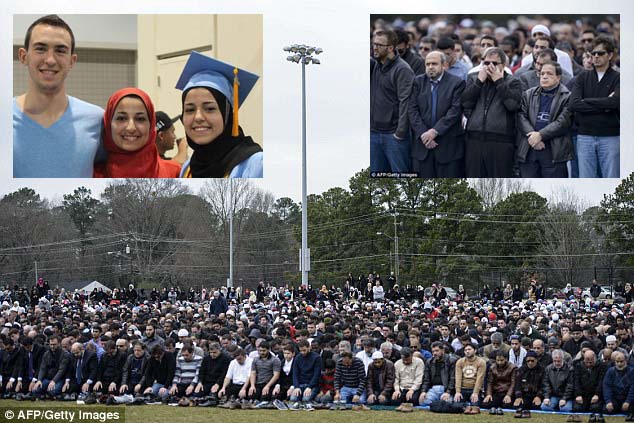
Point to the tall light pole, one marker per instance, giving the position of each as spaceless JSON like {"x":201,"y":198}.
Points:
{"x":303,"y":54}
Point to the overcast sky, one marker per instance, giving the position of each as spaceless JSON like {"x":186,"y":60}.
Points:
{"x":337,"y":90}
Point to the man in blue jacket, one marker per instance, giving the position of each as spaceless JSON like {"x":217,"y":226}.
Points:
{"x":306,"y":373}
{"x":618,"y":386}
{"x":218,"y":304}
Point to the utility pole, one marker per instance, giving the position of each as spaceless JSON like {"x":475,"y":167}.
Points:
{"x":395,"y":247}
{"x":230,"y":280}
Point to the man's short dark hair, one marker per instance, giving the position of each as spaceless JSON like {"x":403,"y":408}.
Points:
{"x":26,"y":341}
{"x":489,"y":37}
{"x":548,"y":53}
{"x":138,"y":343}
{"x":607,"y":42}
{"x":157,"y":350}
{"x":265,"y":344}
{"x":590,"y":31}
{"x":346,"y":354}
{"x":402,"y":36}
{"x":438,"y":344}
{"x":50,"y":20}
{"x":391,"y":37}
{"x":445,"y":43}
{"x":303,"y":343}
{"x":406,"y":352}
{"x":429,"y":40}
{"x":557,"y":67}
{"x":551,"y":42}
{"x":511,"y":40}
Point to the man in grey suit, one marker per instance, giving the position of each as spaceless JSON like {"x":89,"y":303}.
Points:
{"x":435,"y":115}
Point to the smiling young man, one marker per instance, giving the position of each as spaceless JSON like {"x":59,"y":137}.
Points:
{"x":54,"y":135}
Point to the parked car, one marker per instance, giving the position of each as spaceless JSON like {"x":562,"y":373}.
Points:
{"x":558,"y":294}
{"x":451,"y":293}
{"x":607,"y":293}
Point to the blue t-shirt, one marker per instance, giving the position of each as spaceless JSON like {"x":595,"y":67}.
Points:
{"x":66,"y":149}
{"x":251,"y":167}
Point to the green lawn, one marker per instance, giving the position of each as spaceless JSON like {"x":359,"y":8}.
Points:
{"x":169,"y":414}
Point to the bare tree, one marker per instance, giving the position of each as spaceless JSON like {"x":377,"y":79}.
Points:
{"x":494,"y":190}
{"x":564,"y":238}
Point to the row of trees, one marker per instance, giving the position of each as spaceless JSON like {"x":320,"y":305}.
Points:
{"x":158,"y":233}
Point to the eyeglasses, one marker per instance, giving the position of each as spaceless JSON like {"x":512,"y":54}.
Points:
{"x":380,"y":45}
{"x":425,"y":48}
{"x":530,"y":360}
{"x":599,"y":53}
{"x":487,"y":63}
{"x":587,"y":40}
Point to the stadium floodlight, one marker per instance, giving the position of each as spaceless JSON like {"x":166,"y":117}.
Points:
{"x":303,"y":54}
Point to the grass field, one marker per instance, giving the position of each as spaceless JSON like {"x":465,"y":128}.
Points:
{"x":169,"y":414}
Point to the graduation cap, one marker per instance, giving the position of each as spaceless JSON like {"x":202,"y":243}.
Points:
{"x":204,"y":71}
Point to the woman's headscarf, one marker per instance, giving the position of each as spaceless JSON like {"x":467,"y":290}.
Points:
{"x":220,"y":156}
{"x":142,"y":163}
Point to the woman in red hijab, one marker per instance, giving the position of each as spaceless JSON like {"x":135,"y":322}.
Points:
{"x":130,"y":139}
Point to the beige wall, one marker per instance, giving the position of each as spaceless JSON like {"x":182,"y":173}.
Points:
{"x":236,"y":39}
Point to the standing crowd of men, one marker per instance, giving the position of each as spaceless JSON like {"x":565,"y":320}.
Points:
{"x":478,"y":100}
{"x":289,"y":351}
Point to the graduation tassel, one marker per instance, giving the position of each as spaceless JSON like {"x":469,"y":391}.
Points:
{"x":236,"y":105}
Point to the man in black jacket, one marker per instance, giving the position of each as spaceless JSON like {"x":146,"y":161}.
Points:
{"x":55,"y":364}
{"x":529,"y":383}
{"x":595,"y":100}
{"x":491,"y":102}
{"x":82,"y":372}
{"x":573,"y":345}
{"x":588,"y":384}
{"x":132,"y":377}
{"x":435,"y":115}
{"x":110,"y":369}
{"x":439,"y":381}
{"x":402,"y":48}
{"x":159,"y":372}
{"x":544,"y":143}
{"x":558,"y":385}
{"x":33,"y":354}
{"x":390,"y":87}
{"x":11,"y":366}
{"x":212,"y":371}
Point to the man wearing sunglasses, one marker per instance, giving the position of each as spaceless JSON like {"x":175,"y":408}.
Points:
{"x":596,"y":102}
{"x":491,"y":102}
{"x":402,"y":48}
